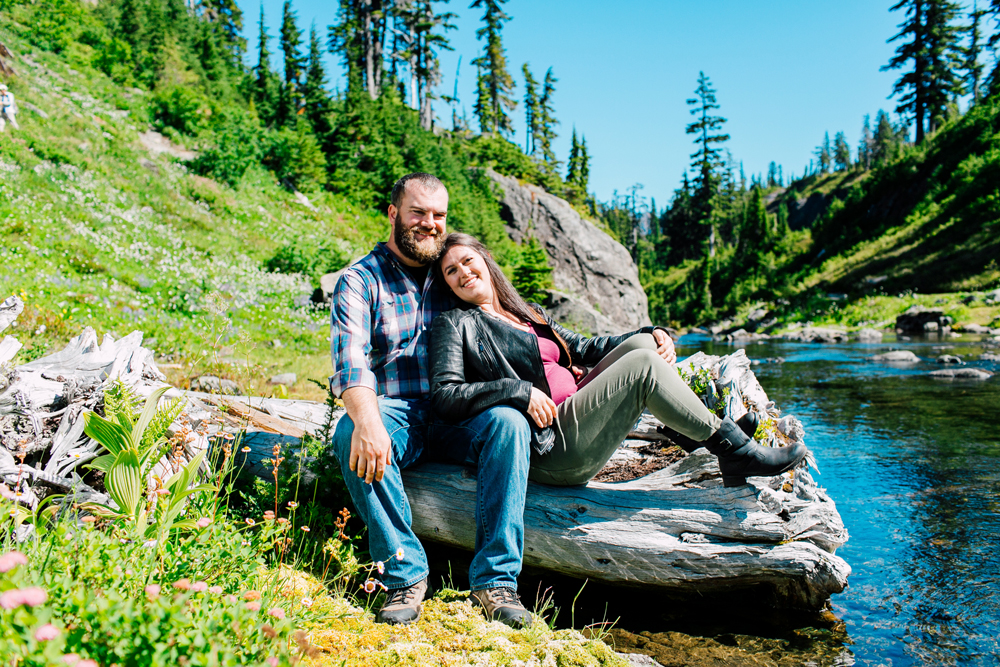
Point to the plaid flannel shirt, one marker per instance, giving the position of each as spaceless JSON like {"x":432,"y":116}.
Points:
{"x":380,"y":325}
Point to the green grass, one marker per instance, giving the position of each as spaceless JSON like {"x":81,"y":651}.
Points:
{"x":99,"y":232}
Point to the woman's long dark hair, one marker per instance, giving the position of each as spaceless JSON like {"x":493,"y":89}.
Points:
{"x":507,"y":297}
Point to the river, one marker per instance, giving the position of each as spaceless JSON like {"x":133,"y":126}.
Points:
{"x":913,"y":463}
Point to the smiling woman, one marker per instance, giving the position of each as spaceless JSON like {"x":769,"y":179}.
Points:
{"x":499,"y":350}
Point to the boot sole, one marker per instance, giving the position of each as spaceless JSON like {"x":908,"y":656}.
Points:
{"x":729,"y":481}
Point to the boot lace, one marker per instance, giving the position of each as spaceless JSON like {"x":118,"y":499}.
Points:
{"x":503,"y":595}
{"x":400,"y":596}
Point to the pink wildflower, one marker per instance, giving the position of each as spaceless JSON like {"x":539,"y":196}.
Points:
{"x":29,"y":597}
{"x":89,"y":519}
{"x":245,"y":450}
{"x":7,"y":493}
{"x":46,"y":632}
{"x":71,"y":658}
{"x":251,"y":595}
{"x":399,"y":553}
{"x":11,"y":560}
{"x":305,"y":529}
{"x":272,"y":661}
{"x":215,"y":590}
{"x":292,"y":504}
{"x":282,"y":520}
{"x":183,"y":584}
{"x":276,"y":612}
{"x":199,"y":587}
{"x":152,"y":591}
{"x":369,"y":586}
{"x":163,"y":492}
{"x":230,"y":599}
{"x":204,"y":522}
{"x":87,"y":663}
{"x":307,"y":602}
{"x":253,"y":606}
{"x":380,"y":566}
{"x":268,"y":515}
{"x":250,"y":522}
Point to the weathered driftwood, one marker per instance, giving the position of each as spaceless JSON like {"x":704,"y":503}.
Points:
{"x":677,"y":529}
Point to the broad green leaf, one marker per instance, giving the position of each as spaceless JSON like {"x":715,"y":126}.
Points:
{"x":124,"y":482}
{"x":114,"y":438}
{"x":102,"y":463}
{"x":147,"y":415}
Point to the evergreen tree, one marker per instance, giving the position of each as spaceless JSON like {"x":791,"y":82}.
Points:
{"x":865,"y":145}
{"x":885,"y":144}
{"x":423,"y":43}
{"x":291,"y":91}
{"x":546,"y":123}
{"x":772,"y":174}
{"x":972,"y":65}
{"x":755,"y":234}
{"x":933,"y":50}
{"x":707,"y":160}
{"x":495,"y":86}
{"x":315,"y":97}
{"x":265,"y":92}
{"x":583,"y":172}
{"x":226,"y":18}
{"x":578,"y":166}
{"x":841,"y":152}
{"x":573,"y":163}
{"x":532,"y":111}
{"x":824,"y":154}
{"x":533,"y":275}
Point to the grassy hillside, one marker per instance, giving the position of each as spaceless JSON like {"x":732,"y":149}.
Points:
{"x":97,"y":231}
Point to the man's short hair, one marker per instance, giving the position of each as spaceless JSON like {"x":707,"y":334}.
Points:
{"x":427,"y":181}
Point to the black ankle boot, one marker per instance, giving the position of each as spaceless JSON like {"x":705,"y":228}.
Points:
{"x":748,"y":424}
{"x":740,"y":457}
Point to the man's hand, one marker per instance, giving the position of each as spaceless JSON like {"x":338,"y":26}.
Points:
{"x":371,"y":447}
{"x":664,"y":346}
{"x":541,"y":408}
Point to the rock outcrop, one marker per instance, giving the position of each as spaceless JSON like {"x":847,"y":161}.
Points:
{"x":919,"y":320}
{"x":587,"y":263}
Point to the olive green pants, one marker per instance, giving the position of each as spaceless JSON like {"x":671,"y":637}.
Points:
{"x":593,"y":422}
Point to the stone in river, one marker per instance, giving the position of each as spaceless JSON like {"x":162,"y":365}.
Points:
{"x":949,"y":359}
{"x":963,"y":373}
{"x":898,"y":356}
{"x":870,"y":336}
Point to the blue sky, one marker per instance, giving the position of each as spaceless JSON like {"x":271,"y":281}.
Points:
{"x":785,"y":72}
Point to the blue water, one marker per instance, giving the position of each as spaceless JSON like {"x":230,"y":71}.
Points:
{"x":913,"y":463}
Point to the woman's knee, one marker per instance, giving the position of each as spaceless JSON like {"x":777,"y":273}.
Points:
{"x":641,"y":341}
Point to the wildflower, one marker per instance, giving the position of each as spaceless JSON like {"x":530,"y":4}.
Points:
{"x":268,"y":515}
{"x":7,"y":493}
{"x":369,"y":586}
{"x":282,"y":520}
{"x":253,"y":606}
{"x":204,"y":522}
{"x":292,"y":504}
{"x":380,"y":566}
{"x":29,"y":597}
{"x":230,"y":599}
{"x":272,"y":661}
{"x":149,"y":544}
{"x":215,"y":590}
{"x":245,"y":450}
{"x":86,"y":663}
{"x":251,"y":595}
{"x":399,"y":553}
{"x":305,"y":529}
{"x":199,"y":587}
{"x":152,"y":591}
{"x":183,"y":584}
{"x":163,"y":492}
{"x":250,"y":522}
{"x":46,"y":632}
{"x":307,"y":602}
{"x":89,"y":519}
{"x":276,"y":612}
{"x":129,"y":573}
{"x":11,"y":560}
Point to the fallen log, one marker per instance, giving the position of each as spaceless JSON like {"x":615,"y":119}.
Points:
{"x":677,"y":529}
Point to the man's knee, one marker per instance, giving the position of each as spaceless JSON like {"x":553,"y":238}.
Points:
{"x":340,"y":443}
{"x":508,"y":426}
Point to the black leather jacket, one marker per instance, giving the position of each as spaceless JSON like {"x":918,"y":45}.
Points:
{"x":478,"y":362}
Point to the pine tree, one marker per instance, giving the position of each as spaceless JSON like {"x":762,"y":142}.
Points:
{"x":972,"y":66}
{"x":841,"y":152}
{"x":547,"y":122}
{"x":865,"y":145}
{"x":533,"y":275}
{"x":532,"y":111}
{"x":755,"y":234}
{"x":265,"y":80}
{"x":315,"y":97}
{"x":495,"y":85}
{"x":226,"y":18}
{"x":422,"y":45}
{"x":573,"y":163}
{"x":583,"y":177}
{"x":824,"y":154}
{"x":885,"y":143}
{"x":291,"y":92}
{"x":707,"y":160}
{"x":772,"y":174}
{"x":933,"y":50}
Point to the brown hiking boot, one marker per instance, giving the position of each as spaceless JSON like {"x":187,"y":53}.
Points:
{"x":402,"y":606}
{"x":502,"y":604}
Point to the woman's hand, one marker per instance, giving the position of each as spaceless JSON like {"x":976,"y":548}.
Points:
{"x":579,"y":372}
{"x":664,"y":346}
{"x":541,"y":408}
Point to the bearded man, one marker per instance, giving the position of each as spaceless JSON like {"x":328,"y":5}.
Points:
{"x":382,"y":309}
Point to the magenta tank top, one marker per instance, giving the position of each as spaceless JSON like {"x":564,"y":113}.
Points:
{"x":562,"y":384}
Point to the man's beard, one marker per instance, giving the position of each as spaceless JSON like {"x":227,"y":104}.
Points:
{"x":408,"y":245}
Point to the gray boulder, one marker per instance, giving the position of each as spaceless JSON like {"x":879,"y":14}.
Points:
{"x":210,"y":384}
{"x":586,"y":262}
{"x":287,"y":379}
{"x":898,"y":356}
{"x":974,"y":329}
{"x":919,"y":320}
{"x":869,"y":336}
{"x":962,"y":374}
{"x":986,"y":356}
{"x":578,"y":315}
{"x":818,"y":335}
{"x":949,"y":359}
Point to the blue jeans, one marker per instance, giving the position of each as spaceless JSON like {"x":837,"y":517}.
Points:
{"x":496,"y":441}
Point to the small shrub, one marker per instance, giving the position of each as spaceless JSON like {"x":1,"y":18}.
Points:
{"x":181,"y":108}
{"x":234,"y":148}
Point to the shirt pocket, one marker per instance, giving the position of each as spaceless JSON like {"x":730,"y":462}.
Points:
{"x":397,"y":319}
